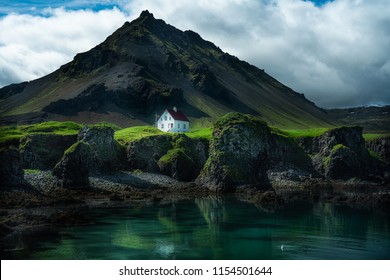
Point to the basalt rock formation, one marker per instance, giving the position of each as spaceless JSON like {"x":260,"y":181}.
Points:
{"x":95,"y":152}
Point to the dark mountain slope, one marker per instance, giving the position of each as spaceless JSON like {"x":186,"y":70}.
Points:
{"x":147,"y":65}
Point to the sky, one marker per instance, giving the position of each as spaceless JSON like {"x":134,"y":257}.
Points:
{"x":336,"y":52}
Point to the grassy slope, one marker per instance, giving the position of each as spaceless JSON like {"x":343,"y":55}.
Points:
{"x":15,"y":132}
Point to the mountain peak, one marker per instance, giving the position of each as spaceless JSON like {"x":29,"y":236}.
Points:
{"x":146,"y":14}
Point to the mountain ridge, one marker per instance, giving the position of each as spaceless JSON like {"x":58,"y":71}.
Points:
{"x":147,"y":65}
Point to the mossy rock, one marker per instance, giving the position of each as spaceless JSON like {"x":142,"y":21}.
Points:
{"x":178,"y":165}
{"x":43,"y":151}
{"x":73,"y":169}
{"x":343,"y":163}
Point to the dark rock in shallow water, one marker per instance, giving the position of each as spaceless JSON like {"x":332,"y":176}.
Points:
{"x":11,"y":172}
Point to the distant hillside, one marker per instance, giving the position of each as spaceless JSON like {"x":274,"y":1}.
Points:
{"x":147,"y":65}
{"x":373,"y":119}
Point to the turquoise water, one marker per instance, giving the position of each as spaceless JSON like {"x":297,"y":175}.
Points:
{"x":221,"y":228}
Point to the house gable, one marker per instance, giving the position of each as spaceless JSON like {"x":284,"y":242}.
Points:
{"x":172,"y":120}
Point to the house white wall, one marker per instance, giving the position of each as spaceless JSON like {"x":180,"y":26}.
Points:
{"x":168,"y":124}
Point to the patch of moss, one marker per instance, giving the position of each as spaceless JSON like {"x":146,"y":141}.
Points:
{"x":127,"y":135}
{"x":12,"y":134}
{"x":172,"y":154}
{"x":107,"y":124}
{"x":31,"y":171}
{"x":337,"y":147}
{"x":298,"y":133}
{"x":204,"y":133}
{"x":75,"y":146}
{"x":375,"y":155}
{"x":373,"y":136}
{"x":234,"y":118}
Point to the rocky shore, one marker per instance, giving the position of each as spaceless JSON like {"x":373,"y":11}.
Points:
{"x":245,"y":158}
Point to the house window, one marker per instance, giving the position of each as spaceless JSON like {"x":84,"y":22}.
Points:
{"x":162,"y":126}
{"x":184,"y":126}
{"x":170,"y":118}
{"x":171,"y":125}
{"x":165,"y":118}
{"x":178,"y":125}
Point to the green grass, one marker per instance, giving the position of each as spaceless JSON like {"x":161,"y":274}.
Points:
{"x":373,"y":136}
{"x":203,"y":133}
{"x":107,"y":124}
{"x":31,"y":171}
{"x":129,"y":134}
{"x":15,"y":132}
{"x":297,"y":133}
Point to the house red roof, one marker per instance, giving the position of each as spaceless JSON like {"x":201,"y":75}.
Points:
{"x":177,"y":115}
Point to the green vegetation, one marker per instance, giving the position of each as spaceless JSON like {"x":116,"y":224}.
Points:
{"x":15,"y":132}
{"x":337,"y":147}
{"x":76,"y":146}
{"x":297,"y":133}
{"x":205,"y":133}
{"x":31,"y":171}
{"x":169,"y":157}
{"x":129,"y":134}
{"x":373,"y":136}
{"x":233,"y":118}
{"x":107,"y":124}
{"x":375,"y":155}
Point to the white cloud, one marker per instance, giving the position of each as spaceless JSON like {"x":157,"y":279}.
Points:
{"x":32,"y":46}
{"x":337,"y":54}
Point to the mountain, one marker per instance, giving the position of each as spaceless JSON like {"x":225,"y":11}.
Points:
{"x":148,"y":65}
{"x":373,"y":119}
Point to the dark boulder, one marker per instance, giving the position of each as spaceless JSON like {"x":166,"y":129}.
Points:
{"x":95,"y":152}
{"x":11,"y":172}
{"x":381,"y":148}
{"x":43,"y":151}
{"x":144,"y":153}
{"x":342,"y":163}
{"x":238,"y":153}
{"x":73,"y":169}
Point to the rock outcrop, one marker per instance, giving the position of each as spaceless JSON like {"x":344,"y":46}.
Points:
{"x":144,"y":153}
{"x":11,"y":172}
{"x":381,"y":147}
{"x":43,"y":151}
{"x":95,"y":152}
{"x":186,"y":158}
{"x":174,"y":155}
{"x":244,"y":151}
{"x":341,"y":154}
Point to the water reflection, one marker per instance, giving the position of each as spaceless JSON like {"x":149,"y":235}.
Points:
{"x":223,"y":228}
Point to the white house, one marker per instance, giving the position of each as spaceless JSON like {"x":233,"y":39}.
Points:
{"x":173,"y":120}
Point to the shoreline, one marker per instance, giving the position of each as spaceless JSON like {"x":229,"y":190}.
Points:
{"x":43,"y":207}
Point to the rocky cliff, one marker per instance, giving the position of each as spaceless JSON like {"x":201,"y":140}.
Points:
{"x":95,"y":152}
{"x":243,"y":151}
{"x":174,"y":155}
{"x":11,"y":172}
